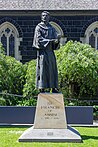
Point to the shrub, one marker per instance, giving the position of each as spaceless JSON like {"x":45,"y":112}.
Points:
{"x":12,"y":77}
{"x":95,"y":112}
{"x":78,"y":69}
{"x":2,"y":102}
{"x":27,"y":102}
{"x":29,"y":90}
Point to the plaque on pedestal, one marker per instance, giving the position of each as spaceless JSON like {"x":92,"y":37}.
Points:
{"x":50,"y":122}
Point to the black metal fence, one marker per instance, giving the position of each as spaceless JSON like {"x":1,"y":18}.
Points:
{"x":14,"y":99}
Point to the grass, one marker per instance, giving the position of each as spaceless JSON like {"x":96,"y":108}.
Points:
{"x":10,"y":135}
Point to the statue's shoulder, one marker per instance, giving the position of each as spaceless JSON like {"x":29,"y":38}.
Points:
{"x":41,"y":24}
{"x":38,"y":26}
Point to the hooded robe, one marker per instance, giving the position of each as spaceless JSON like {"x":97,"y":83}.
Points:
{"x":46,"y":71}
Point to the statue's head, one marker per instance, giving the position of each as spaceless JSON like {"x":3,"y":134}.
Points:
{"x":45,"y":16}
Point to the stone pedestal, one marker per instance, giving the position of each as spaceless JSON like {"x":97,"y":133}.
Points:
{"x":50,"y":112}
{"x":50,"y":122}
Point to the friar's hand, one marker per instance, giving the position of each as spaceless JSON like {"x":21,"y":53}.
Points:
{"x":56,"y":41}
{"x":58,"y":36}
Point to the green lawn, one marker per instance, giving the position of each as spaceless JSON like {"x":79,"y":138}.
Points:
{"x":10,"y":135}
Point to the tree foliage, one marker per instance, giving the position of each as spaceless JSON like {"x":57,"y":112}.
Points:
{"x":78,"y":69}
{"x":12,"y":77}
{"x":17,"y":81}
{"x":29,"y":89}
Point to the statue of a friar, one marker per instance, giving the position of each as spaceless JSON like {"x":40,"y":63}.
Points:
{"x":46,"y":40}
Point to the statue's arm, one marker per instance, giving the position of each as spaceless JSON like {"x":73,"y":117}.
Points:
{"x":39,"y":41}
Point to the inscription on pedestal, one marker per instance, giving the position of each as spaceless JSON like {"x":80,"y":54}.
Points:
{"x":49,"y":133}
{"x":50,"y":112}
{"x":50,"y":108}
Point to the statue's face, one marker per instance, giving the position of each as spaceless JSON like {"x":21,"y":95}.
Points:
{"x":45,"y":17}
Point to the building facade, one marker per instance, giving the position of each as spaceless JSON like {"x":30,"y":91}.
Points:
{"x":72,"y":20}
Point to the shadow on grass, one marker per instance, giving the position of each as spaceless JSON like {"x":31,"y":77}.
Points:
{"x":85,"y":137}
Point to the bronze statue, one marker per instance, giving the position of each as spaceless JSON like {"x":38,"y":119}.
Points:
{"x":46,"y":40}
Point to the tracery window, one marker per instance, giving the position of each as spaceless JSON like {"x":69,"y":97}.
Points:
{"x":9,"y":37}
{"x":91,"y":35}
{"x":59,"y":31}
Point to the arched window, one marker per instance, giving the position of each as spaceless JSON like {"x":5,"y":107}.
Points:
{"x":59,"y":31}
{"x":9,"y":37}
{"x":91,"y":35}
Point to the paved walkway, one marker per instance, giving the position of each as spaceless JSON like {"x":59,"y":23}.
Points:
{"x":95,"y":124}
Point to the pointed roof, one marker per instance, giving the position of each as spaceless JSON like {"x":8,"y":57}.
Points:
{"x":48,"y":4}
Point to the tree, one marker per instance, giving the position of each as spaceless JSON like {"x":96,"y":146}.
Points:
{"x":29,"y":89}
{"x":78,"y":69}
{"x":12,"y":77}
